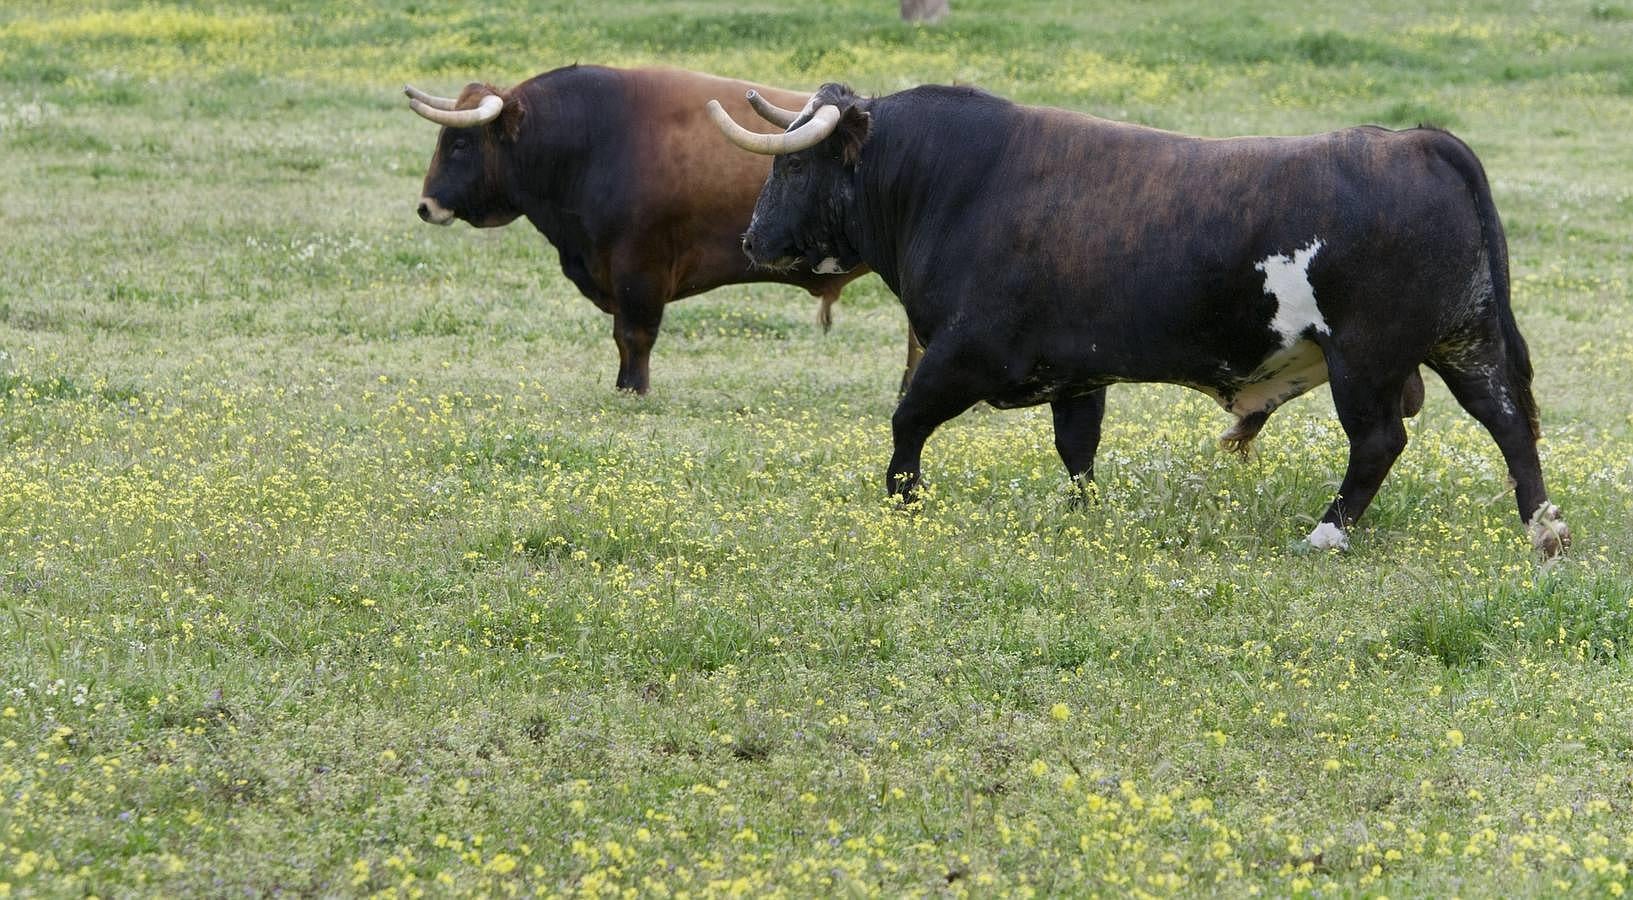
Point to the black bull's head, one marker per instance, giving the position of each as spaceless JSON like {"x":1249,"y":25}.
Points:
{"x":464,"y":178}
{"x":798,"y":216}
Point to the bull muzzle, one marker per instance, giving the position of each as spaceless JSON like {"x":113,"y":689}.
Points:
{"x":435,"y":213}
{"x":762,"y":254}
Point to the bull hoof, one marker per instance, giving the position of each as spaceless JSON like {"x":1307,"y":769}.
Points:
{"x":910,"y":504}
{"x":1328,"y":536}
{"x":1084,"y":493}
{"x":904,"y":489}
{"x":1548,"y":531}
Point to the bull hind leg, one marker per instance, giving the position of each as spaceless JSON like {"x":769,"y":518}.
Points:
{"x":1370,"y":407}
{"x":1478,"y":375}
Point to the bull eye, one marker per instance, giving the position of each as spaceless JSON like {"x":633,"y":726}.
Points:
{"x":460,"y":143}
{"x":795,"y":164}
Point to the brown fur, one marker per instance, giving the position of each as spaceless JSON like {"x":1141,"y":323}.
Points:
{"x":669,"y":200}
{"x":696,"y":187}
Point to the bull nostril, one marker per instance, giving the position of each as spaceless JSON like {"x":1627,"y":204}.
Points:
{"x":425,"y":212}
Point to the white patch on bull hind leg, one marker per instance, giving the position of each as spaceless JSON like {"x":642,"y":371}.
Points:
{"x":1501,"y":390}
{"x":1548,"y":530}
{"x":1328,"y":536}
{"x":1287,"y":279}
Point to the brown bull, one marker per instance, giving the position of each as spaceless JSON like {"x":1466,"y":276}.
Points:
{"x":622,"y":171}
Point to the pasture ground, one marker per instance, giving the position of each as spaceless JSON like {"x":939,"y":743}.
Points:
{"x":330,"y":562}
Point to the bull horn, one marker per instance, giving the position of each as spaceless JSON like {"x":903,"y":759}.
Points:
{"x":808,"y":135}
{"x":430,"y":100}
{"x":485,"y":112}
{"x":776,"y":115}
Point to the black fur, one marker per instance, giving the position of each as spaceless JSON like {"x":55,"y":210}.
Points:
{"x":1042,"y":255}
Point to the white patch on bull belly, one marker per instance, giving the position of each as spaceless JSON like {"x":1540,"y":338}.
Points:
{"x":1287,"y":279}
{"x":1283,"y":375}
{"x":829,"y":266}
{"x":1328,"y":536}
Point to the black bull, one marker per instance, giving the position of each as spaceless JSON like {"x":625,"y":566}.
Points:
{"x":622,"y":172}
{"x":1042,"y":255}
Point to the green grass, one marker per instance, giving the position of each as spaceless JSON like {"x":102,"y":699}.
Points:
{"x":331,"y":563}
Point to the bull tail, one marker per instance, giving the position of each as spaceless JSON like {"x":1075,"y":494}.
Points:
{"x":1517,"y":355}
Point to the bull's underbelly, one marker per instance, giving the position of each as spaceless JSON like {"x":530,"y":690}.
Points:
{"x":1283,"y":375}
{"x":1043,"y":384}
{"x":1280,"y":377}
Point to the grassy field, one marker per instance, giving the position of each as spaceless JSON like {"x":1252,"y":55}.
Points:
{"x":331,"y":563}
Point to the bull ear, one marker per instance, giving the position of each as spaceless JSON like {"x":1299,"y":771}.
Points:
{"x":851,"y":134}
{"x":509,"y":123}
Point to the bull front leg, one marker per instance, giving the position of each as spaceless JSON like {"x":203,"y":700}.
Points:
{"x":1369,"y":406}
{"x":1077,"y":433}
{"x":941,"y":388}
{"x":635,"y":323}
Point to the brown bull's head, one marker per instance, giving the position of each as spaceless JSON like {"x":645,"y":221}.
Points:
{"x":466,"y":177}
{"x":799,"y":215}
